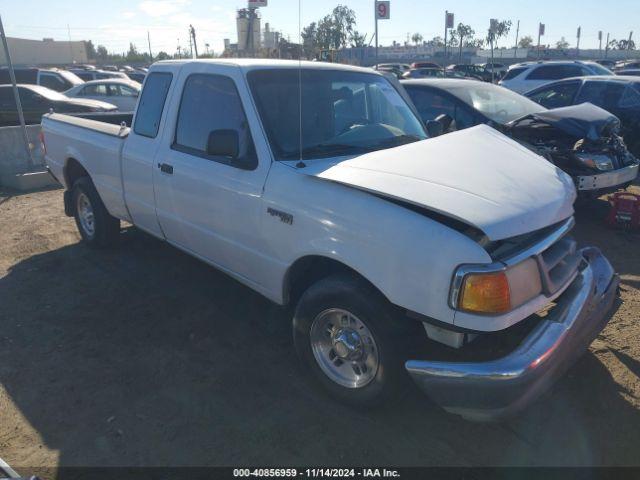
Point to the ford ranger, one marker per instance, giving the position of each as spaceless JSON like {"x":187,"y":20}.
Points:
{"x":448,"y":259}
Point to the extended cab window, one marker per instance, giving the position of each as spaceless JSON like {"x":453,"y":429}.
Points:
{"x":211,"y":103}
{"x":151,"y":104}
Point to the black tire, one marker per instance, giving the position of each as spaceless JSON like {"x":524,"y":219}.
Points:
{"x":106,"y":229}
{"x":350,"y":293}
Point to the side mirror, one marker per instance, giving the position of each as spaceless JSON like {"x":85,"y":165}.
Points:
{"x":434,"y":128}
{"x":224,"y":143}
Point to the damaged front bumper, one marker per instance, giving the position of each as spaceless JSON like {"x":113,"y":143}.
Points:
{"x":500,"y":388}
{"x":607,"y":180}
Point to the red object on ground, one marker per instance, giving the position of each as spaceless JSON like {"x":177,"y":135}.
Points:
{"x":624,"y":211}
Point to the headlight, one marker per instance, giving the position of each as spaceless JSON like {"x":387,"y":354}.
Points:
{"x":599,"y":162}
{"x":495,"y":290}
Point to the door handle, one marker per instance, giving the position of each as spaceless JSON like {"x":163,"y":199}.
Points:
{"x":166,"y":168}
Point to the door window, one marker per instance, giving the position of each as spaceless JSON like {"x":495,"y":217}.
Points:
{"x":209,"y":103}
{"x":151,"y":104}
{"x":431,"y":104}
{"x":556,"y":96}
{"x":125,"y":91}
{"x":52,"y":81}
{"x":96,"y":90}
{"x":557,"y":72}
{"x":603,"y":94}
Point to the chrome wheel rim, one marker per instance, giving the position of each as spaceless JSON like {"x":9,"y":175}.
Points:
{"x":85,"y":214}
{"x":344,"y":348}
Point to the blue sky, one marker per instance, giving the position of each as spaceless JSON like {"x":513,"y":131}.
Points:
{"x":114,"y":23}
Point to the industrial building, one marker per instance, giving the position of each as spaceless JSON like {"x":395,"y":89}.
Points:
{"x":44,"y":52}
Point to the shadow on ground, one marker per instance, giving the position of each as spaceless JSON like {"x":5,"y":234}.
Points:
{"x":145,"y":356}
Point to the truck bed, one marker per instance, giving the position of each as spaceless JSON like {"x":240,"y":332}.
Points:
{"x":96,"y":145}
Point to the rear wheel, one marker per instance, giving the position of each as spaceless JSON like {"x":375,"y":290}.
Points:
{"x":347,"y":337}
{"x":96,"y":226}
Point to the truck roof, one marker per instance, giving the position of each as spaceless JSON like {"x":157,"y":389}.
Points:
{"x":260,"y":63}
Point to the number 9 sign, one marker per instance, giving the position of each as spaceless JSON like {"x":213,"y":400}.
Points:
{"x":382,"y":10}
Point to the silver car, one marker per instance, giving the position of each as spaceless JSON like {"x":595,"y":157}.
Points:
{"x":121,"y":93}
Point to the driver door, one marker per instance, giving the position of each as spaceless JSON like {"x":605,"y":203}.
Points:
{"x":212,"y":205}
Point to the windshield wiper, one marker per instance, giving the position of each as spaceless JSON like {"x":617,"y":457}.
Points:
{"x":326,"y":149}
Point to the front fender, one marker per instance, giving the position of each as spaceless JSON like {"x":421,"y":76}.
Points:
{"x":408,"y":256}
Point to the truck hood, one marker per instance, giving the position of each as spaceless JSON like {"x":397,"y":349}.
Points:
{"x":581,"y":121}
{"x":477,"y":176}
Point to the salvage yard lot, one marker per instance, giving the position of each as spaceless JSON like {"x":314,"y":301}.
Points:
{"x":145,"y":356}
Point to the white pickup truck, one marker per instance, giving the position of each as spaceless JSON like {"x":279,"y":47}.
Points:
{"x":316,"y":185}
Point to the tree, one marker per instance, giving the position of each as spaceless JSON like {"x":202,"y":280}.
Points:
{"x":336,"y":30}
{"x":309,"y":36}
{"x":625,"y":45}
{"x":358,"y":39}
{"x":101,"y":53}
{"x":526,"y":42}
{"x":459,"y":35}
{"x":163,"y":56}
{"x":474,"y":43}
{"x":416,"y":38}
{"x":435,"y":42}
{"x":501,"y":29}
{"x":562,"y":44}
{"x":91,"y":50}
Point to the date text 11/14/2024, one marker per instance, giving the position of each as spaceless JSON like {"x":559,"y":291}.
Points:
{"x":316,"y":472}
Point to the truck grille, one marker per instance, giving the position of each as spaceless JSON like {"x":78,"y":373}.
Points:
{"x":558,"y":264}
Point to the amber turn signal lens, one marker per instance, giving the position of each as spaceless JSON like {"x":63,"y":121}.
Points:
{"x":486,"y":293}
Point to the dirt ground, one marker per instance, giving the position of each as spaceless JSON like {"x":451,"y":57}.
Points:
{"x":144,"y":356}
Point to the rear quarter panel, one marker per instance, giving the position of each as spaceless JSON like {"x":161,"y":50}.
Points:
{"x":97,"y":146}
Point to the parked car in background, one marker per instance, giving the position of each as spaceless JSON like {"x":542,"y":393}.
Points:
{"x":425,"y":65}
{"x":617,"y":94}
{"x":609,"y":64}
{"x":396,"y":72}
{"x":37,"y":100}
{"x":52,"y":78}
{"x":121,"y":93}
{"x":88,"y":75}
{"x":471,"y":71}
{"x":137,"y":76}
{"x":432,"y":73}
{"x":626,"y":65}
{"x":499,"y":69}
{"x":523,"y":77}
{"x":630,"y":72}
{"x":381,"y":241}
{"x":402,"y":67}
{"x":583,"y":141}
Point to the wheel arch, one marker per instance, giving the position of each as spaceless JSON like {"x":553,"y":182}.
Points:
{"x":73,"y":170}
{"x":307,"y":270}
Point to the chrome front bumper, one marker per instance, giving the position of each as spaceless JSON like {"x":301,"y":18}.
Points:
{"x":500,"y":388}
{"x":608,"y":180}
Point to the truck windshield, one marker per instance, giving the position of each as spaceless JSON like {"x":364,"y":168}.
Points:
{"x":343,"y":112}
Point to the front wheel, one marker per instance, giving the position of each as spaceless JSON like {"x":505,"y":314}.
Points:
{"x":346,"y":336}
{"x":96,"y":226}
